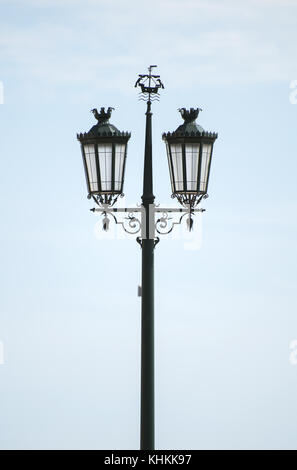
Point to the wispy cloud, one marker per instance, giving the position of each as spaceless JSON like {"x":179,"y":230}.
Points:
{"x":197,"y":41}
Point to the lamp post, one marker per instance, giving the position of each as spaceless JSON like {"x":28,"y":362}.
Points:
{"x":189,"y":152}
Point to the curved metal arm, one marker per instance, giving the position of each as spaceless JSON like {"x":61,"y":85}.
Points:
{"x":164,"y":226}
{"x":133,"y":225}
{"x":130,"y":224}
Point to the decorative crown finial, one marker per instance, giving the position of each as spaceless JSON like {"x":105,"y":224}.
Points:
{"x":189,"y":115}
{"x":102,"y":116}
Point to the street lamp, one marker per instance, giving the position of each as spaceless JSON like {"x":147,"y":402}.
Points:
{"x":189,"y":152}
{"x":104,"y":151}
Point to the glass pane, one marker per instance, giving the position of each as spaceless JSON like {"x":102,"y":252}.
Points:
{"x":170,"y":168}
{"x":206,"y":151}
{"x":192,"y":158}
{"x":119,"y":166}
{"x":177,"y":166}
{"x":105,"y":164}
{"x":91,"y":166}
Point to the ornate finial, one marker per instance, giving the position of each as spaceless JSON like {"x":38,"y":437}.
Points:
{"x":102,"y":116}
{"x":189,"y":115}
{"x":149,"y":85}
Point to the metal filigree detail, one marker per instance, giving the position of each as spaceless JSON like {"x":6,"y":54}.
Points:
{"x":162,"y":224}
{"x":189,"y":115}
{"x":189,"y":200}
{"x":165,"y":224}
{"x":133,"y":225}
{"x":103,"y":200}
{"x":149,"y":85}
{"x":103,"y":116}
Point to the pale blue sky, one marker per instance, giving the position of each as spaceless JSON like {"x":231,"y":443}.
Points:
{"x":225,"y":314}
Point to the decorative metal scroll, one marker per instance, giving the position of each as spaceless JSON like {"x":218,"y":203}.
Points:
{"x":131,"y":223}
{"x":165,"y":224}
{"x":189,"y":200}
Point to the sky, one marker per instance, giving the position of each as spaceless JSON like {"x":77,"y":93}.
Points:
{"x":225,"y":300}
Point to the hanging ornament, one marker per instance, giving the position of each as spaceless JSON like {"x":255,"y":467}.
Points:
{"x":105,"y":222}
{"x":190,"y":222}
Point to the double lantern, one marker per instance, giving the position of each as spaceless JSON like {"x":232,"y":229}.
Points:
{"x":189,"y":152}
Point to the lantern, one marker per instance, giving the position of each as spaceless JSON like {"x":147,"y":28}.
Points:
{"x":104,"y":151}
{"x":189,"y":152}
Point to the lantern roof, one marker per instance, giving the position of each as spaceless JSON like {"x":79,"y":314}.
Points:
{"x":190,"y":128}
{"x":103,"y":128}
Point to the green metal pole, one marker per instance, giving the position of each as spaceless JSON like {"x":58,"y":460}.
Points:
{"x":147,"y":425}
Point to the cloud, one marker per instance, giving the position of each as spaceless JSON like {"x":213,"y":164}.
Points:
{"x":193,"y":41}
